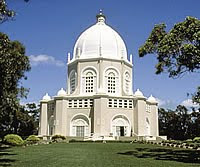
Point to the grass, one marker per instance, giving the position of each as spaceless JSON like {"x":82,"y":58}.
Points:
{"x":98,"y":155}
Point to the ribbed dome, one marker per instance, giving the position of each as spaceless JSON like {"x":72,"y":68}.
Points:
{"x":138,"y":93}
{"x":61,"y":92}
{"x":46,"y":97}
{"x":152,"y":99}
{"x":100,"y":40}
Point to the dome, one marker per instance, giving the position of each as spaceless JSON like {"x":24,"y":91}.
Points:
{"x":100,"y":40}
{"x":152,"y":99}
{"x":46,"y":97}
{"x":138,"y":93}
{"x":61,"y":92}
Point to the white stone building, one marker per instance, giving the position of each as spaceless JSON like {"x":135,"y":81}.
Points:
{"x":99,"y":100}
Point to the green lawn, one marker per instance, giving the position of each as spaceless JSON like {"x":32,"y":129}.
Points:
{"x":98,"y":154}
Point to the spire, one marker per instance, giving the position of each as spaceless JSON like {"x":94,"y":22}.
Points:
{"x":101,"y":17}
{"x":68,"y":58}
{"x":131,"y":58}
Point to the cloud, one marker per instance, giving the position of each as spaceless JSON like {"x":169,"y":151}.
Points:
{"x":188,"y":103}
{"x":160,"y":102}
{"x":45,"y":59}
{"x":168,"y":104}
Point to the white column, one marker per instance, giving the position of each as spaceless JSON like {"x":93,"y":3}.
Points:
{"x":154,"y":120}
{"x":61,"y":117}
{"x":140,"y":117}
{"x":43,"y":119}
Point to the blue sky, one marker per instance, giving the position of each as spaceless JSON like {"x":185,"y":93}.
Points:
{"x":50,"y":28}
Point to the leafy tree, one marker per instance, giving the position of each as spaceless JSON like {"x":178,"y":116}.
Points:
{"x":183,"y":124}
{"x":167,"y":123}
{"x":13,"y":65}
{"x":179,"y":124}
{"x":33,"y":110}
{"x":163,"y":121}
{"x":178,"y":51}
{"x":196,"y":96}
{"x":195,"y":128}
{"x":5,"y":13}
{"x":26,"y":120}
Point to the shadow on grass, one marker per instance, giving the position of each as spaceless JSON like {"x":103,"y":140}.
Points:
{"x":180,"y":155}
{"x":4,"y":160}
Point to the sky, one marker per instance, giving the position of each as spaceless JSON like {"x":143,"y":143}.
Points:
{"x":49,"y":29}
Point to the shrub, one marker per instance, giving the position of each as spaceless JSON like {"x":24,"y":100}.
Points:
{"x":171,"y":141}
{"x":14,"y":140}
{"x":191,"y":145}
{"x":58,"y":138}
{"x":189,"y":140}
{"x":32,"y":139}
{"x":197,"y":139}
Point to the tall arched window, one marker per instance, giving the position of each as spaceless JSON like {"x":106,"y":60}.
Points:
{"x":127,"y":82}
{"x":112,"y":81}
{"x":72,"y":81}
{"x":89,"y":80}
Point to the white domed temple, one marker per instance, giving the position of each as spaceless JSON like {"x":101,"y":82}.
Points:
{"x":99,"y":101}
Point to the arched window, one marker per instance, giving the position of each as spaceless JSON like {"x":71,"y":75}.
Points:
{"x":72,"y":81}
{"x":89,"y":82}
{"x":127,"y":83}
{"x":89,"y":79}
{"x":112,"y":81}
{"x":80,"y":126}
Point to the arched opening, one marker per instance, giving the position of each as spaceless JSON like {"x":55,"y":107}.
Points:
{"x":89,"y":81}
{"x":80,"y":126}
{"x":51,"y":126}
{"x":112,"y":81}
{"x":147,"y":127}
{"x":72,"y":81}
{"x":120,"y":126}
{"x":127,"y":83}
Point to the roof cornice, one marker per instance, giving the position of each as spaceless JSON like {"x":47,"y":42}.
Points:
{"x":99,"y":58}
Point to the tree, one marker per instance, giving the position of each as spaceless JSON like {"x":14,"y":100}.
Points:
{"x":13,"y":65}
{"x":33,"y":110}
{"x":183,"y":124}
{"x":178,"y":51}
{"x":178,"y":124}
{"x":196,"y":96}
{"x":195,"y":128}
{"x":5,"y":13}
{"x":167,"y":123}
{"x":26,"y":120}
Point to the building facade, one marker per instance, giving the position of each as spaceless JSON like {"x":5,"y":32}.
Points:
{"x":99,"y":100}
